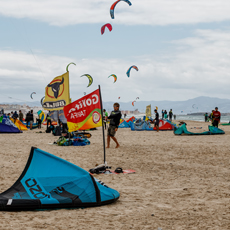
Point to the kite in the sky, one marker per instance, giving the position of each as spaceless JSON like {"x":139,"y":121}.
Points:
{"x":133,"y":103}
{"x":31,"y":95}
{"x":42,"y":100}
{"x":137,"y":98}
{"x":114,"y":4}
{"x":114,"y":76}
{"x":119,"y":97}
{"x":132,"y":67}
{"x":108,"y":25}
{"x":90,"y":79}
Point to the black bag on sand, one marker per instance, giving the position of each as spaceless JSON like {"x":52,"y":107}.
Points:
{"x":57,"y":131}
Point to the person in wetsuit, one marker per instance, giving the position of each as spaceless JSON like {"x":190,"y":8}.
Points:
{"x":216,"y":117}
{"x":156,"y":120}
{"x":114,"y":117}
{"x":170,"y":115}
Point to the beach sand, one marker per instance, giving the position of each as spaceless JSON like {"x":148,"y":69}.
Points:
{"x":181,"y":182}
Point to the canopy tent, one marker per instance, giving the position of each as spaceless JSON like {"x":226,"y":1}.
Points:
{"x":49,"y":182}
{"x":182,"y":130}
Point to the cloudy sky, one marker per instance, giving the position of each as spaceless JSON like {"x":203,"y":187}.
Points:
{"x":182,"y":48}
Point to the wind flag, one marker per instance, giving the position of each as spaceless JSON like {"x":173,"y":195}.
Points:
{"x":84,"y":113}
{"x":148,"y":111}
{"x":57,"y":93}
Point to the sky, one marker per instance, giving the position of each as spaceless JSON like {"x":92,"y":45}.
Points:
{"x":181,"y":47}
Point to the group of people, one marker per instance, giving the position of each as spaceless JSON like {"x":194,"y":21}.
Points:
{"x":29,"y":117}
{"x":214,"y":117}
{"x":169,"y":116}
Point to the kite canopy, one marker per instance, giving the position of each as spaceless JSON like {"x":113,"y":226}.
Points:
{"x":19,"y":124}
{"x":31,"y":95}
{"x":145,"y":126}
{"x":132,"y":67}
{"x":67,"y":67}
{"x":114,"y":76}
{"x":108,"y":25}
{"x":182,"y":130}
{"x":124,"y":124}
{"x":90,"y":79}
{"x":7,"y":126}
{"x":114,"y":4}
{"x":49,"y":182}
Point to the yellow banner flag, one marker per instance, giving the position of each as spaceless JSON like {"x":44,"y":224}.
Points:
{"x":148,"y":111}
{"x":57,"y":93}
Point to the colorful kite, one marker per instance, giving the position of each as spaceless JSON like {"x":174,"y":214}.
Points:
{"x":115,"y":77}
{"x":133,"y":103}
{"x":90,"y":79}
{"x":32,"y":94}
{"x":132,"y":67}
{"x":108,"y":25}
{"x":114,"y":4}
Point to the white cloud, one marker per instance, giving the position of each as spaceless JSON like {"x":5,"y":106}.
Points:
{"x":144,"y":12}
{"x":199,"y":66}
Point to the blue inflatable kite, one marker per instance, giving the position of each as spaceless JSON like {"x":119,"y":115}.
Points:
{"x":49,"y":182}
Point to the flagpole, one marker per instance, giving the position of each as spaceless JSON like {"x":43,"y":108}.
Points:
{"x":103,"y":132}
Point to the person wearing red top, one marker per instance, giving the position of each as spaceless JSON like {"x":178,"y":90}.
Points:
{"x":216,"y":117}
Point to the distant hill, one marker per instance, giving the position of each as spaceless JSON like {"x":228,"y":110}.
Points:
{"x":198,"y":104}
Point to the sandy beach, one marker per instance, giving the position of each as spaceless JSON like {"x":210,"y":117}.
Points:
{"x":181,"y":182}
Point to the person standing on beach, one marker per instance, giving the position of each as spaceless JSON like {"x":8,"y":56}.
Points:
{"x":156,"y":120}
{"x":165,"y":114}
{"x":170,"y":115}
{"x":27,"y":119}
{"x":216,"y":117}
{"x":114,"y":117}
{"x":20,"y":116}
{"x":162,"y":114}
{"x":31,"y":119}
{"x":205,"y":117}
{"x":15,"y":116}
{"x":48,"y":120}
{"x":105,"y":114}
{"x":211,"y":116}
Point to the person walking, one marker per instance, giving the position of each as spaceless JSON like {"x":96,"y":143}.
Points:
{"x":114,"y":117}
{"x":216,"y":117}
{"x":170,"y":115}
